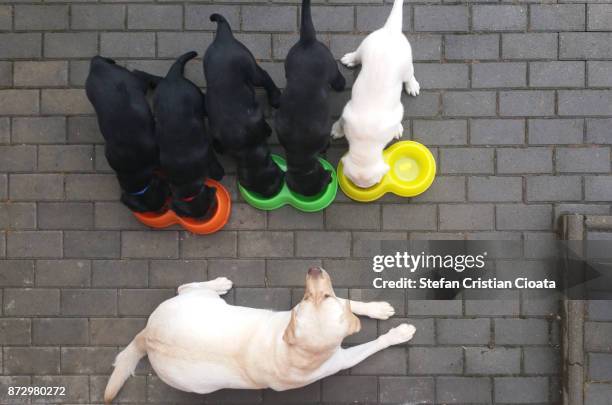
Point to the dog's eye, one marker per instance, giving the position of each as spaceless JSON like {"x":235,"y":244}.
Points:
{"x":326,"y":296}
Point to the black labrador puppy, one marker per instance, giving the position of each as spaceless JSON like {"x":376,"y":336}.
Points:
{"x":303,"y":122}
{"x":186,"y":155}
{"x":126,"y":123}
{"x":236,"y":120}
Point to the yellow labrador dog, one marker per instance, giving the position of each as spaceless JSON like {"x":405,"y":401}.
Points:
{"x":197,"y":342}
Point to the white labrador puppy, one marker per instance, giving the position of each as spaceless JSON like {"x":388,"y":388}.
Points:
{"x":373,"y":115}
{"x":197,"y":342}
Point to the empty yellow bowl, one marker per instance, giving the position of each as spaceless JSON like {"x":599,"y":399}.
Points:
{"x":412,"y":170}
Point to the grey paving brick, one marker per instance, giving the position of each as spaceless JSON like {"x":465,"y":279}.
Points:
{"x":442,"y":76}
{"x":583,"y":160}
{"x":119,"y":273}
{"x":350,"y":388}
{"x":220,"y":244}
{"x":521,"y":389}
{"x":466,"y":216}
{"x":290,"y":272}
{"x":585,"y":102}
{"x":467,"y":47}
{"x":557,"y":17}
{"x":473,"y":103}
{"x":65,"y":158}
{"x":435,"y":132}
{"x":31,"y":360}
{"x":39,"y":130}
{"x":87,"y":360}
{"x":34,"y":244}
{"x":91,"y":187}
{"x":521,"y":331}
{"x":499,"y":74}
{"x":197,"y":16}
{"x":454,"y":390}
{"x":19,"y":102}
{"x":80,"y":386}
{"x":65,"y":215}
{"x":89,"y":302}
{"x":173,"y":44}
{"x":336,"y":18}
{"x":18,"y":158}
{"x":172,"y":273}
{"x":426,"y":46}
{"x":409,"y":217}
{"x":141,"y":244}
{"x":585,"y":45}
{"x":526,"y":160}
{"x":64,"y":102}
{"x":497,"y":132}
{"x":6,"y":18}
{"x":5,"y":123}
{"x":63,"y":273}
{"x":464,"y":331}
{"x":15,"y":331}
{"x":60,"y":331}
{"x":598,"y":130}
{"x":268,"y":298}
{"x":119,"y":44}
{"x":97,"y":16}
{"x":499,"y":360}
{"x":600,"y":368}
{"x":287,"y":218}
{"x":597,"y":394}
{"x":599,"y":310}
{"x":441,"y":18}
{"x":243,"y":273}
{"x":371,"y":18}
{"x":268,"y":18}
{"x":350,"y":217}
{"x":600,"y":73}
{"x":444,"y":189}
{"x":114,"y":331}
{"x":541,"y":360}
{"x":83,"y":130}
{"x":406,"y":390}
{"x":16,"y":273}
{"x":425,"y":329}
{"x":597,"y":336}
{"x":529,"y":46}
{"x":18,"y":216}
{"x":499,"y":18}
{"x":523,"y":217}
{"x":93,"y":244}
{"x":554,"y":188}
{"x":391,"y":361}
{"x":322,"y":244}
{"x":598,"y":188}
{"x":3,"y":186}
{"x":31,"y":301}
{"x":142,"y":302}
{"x":599,"y":17}
{"x":425,"y":105}
{"x":154,"y":17}
{"x":41,"y":17}
{"x":495,"y":189}
{"x":265,"y":244}
{"x":556,"y":74}
{"x":555,"y":131}
{"x":434,"y":307}
{"x":41,"y":73}
{"x":526,"y":103}
{"x":466,"y":160}
{"x":115,"y":215}
{"x":83,"y":44}
{"x":20,"y":45}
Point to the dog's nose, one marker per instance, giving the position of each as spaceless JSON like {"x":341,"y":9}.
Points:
{"x":314,"y":271}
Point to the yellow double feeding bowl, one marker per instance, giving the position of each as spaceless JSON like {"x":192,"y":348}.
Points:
{"x":412,"y":170}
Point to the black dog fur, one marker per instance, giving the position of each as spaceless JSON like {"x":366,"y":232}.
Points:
{"x":126,"y":123}
{"x":303,"y":122}
{"x":186,"y":155}
{"x":236,"y":120}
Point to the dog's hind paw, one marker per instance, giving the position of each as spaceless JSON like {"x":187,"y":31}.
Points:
{"x":400,"y":334}
{"x":348,"y":60}
{"x":380,"y":310}
{"x":413,"y":87}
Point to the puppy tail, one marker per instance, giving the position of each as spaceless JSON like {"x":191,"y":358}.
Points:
{"x":223,"y":28}
{"x":394,"y":22}
{"x":178,"y":67}
{"x":307,"y":31}
{"x":125,"y":364}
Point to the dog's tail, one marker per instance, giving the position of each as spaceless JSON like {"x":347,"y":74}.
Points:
{"x":307,"y":31}
{"x":178,"y":67}
{"x":223,"y":28}
{"x":394,"y":22}
{"x":125,"y":364}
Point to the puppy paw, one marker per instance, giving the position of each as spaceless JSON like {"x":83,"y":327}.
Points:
{"x":413,"y":87}
{"x":221,"y":285}
{"x":380,"y":310}
{"x":400,"y":334}
{"x":348,"y":60}
{"x":400,"y":131}
{"x":336,"y":131}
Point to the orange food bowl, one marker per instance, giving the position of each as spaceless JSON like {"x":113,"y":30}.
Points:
{"x":216,"y":222}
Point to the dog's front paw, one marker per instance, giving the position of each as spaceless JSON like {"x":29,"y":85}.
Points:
{"x":221,"y":285}
{"x":413,"y":87}
{"x":336,"y":131}
{"x":400,"y":334}
{"x":380,"y":310}
{"x":348,"y":60}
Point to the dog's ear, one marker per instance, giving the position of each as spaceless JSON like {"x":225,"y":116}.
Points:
{"x":289,"y":335}
{"x":354,"y":322}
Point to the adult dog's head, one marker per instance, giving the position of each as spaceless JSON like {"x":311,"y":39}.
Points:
{"x":321,"y":320}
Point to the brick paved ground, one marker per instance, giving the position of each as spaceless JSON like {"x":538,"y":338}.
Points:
{"x":516,"y":105}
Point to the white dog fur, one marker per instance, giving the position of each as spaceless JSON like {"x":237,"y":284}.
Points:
{"x":373,"y":115}
{"x":197,"y":342}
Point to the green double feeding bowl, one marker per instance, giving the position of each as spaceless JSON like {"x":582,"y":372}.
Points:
{"x":297,"y":201}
